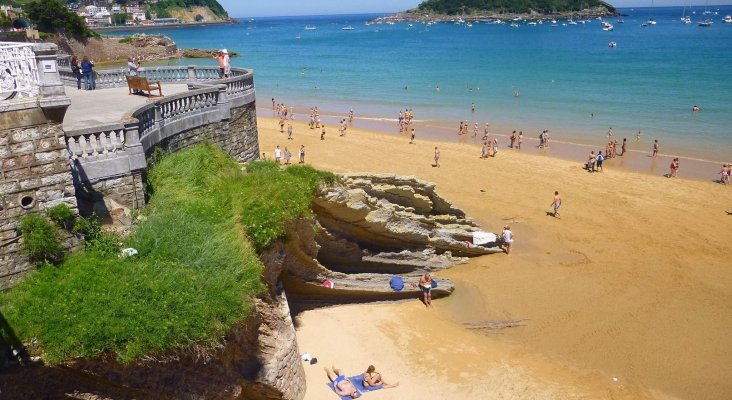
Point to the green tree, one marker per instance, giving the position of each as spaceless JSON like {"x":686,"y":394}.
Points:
{"x":52,"y":16}
{"x":119,"y":19}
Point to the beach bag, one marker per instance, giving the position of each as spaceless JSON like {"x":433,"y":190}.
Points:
{"x":396,"y":283}
{"x":434,"y":283}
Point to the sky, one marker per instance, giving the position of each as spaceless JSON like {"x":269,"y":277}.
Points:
{"x":269,"y":8}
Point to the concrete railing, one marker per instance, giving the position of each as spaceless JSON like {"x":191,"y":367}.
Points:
{"x":112,"y":150}
{"x":115,"y":77}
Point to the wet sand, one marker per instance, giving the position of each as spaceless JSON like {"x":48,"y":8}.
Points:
{"x":562,"y":144}
{"x":628,"y":296}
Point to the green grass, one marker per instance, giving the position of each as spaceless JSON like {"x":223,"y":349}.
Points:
{"x":196,"y":272}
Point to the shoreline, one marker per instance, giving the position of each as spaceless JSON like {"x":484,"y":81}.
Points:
{"x":636,"y":159}
{"x":630,"y":277}
{"x":161,"y":26}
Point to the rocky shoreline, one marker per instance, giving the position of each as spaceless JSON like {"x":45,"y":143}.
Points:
{"x":486,"y":16}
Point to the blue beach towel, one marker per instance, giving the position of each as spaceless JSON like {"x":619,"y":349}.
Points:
{"x":396,"y":283}
{"x":358,"y":383}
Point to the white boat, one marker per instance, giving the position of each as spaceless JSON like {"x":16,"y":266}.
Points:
{"x":620,"y":21}
{"x":514,"y":25}
{"x":532,"y":23}
{"x":685,"y":20}
{"x":706,"y":23}
{"x":606,"y":26}
{"x":554,"y":21}
{"x":571,"y":22}
{"x":310,"y":27}
{"x":612,"y":44}
{"x":347,"y":28}
{"x":727,"y":19}
{"x":651,"y":21}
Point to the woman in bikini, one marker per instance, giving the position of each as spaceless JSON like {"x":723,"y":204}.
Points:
{"x":425,"y":285}
{"x":373,"y":378}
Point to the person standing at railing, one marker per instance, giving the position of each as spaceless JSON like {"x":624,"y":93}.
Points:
{"x":76,"y":70}
{"x":87,"y":69}
{"x":227,"y":64}
{"x":132,"y":67}
{"x":221,"y":58}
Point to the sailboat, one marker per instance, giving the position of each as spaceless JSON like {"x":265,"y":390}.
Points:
{"x":651,"y":21}
{"x":706,"y":23}
{"x":685,"y":19}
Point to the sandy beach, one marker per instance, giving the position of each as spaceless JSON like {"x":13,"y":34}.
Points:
{"x":627,"y":296}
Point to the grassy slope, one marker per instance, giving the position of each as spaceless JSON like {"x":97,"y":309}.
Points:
{"x":195,"y":274}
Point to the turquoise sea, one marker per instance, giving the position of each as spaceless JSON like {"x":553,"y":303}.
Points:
{"x":649,"y":82}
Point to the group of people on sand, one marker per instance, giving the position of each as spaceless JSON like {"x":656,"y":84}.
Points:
{"x":285,"y":155}
{"x":405,"y":119}
{"x":343,"y":386}
{"x":725,"y":173}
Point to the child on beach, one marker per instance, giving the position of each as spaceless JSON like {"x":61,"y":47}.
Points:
{"x":322,"y":133}
{"x":622,"y":147}
{"x":590,"y":166}
{"x":302,"y":154}
{"x":507,"y":239}
{"x":289,"y":131}
{"x":674,"y":168}
{"x":725,"y":172}
{"x":411,"y":139}
{"x":495,"y":146}
{"x":513,"y":138}
{"x":556,"y":204}
{"x":288,"y":155}
{"x":599,"y":161}
{"x":655,"y":148}
{"x":437,"y":157}
{"x":484,"y":151}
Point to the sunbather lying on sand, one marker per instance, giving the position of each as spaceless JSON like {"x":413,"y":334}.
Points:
{"x":341,"y":384}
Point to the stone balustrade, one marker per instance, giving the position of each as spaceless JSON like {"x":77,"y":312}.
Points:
{"x":109,"y":152}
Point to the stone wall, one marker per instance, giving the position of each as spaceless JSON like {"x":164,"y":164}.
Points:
{"x":237,"y":136}
{"x":35,"y":176}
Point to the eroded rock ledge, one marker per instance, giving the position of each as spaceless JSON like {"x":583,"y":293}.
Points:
{"x":366,"y":230}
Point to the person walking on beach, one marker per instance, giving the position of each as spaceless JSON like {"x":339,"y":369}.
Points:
{"x":507,"y":239}
{"x":513,"y":138}
{"x":520,"y":139}
{"x":278,"y":154}
{"x":725,"y":173}
{"x":411,"y":138}
{"x":289,"y":132}
{"x":674,"y":168}
{"x":302,"y":154}
{"x":322,"y":133}
{"x":637,"y":136}
{"x":485,"y":132}
{"x":484,"y":151}
{"x":425,"y":285}
{"x":495,"y":146}
{"x":591,"y":161}
{"x":610,"y":132}
{"x":655,"y":148}
{"x":288,"y":155}
{"x":599,"y":161}
{"x":623,"y":149}
{"x":437,"y":157}
{"x":475,"y":130}
{"x":556,"y":204}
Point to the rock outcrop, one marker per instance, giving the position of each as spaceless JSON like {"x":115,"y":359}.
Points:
{"x":366,"y":230}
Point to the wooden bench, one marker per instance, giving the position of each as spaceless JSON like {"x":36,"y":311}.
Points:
{"x":141,"y":83}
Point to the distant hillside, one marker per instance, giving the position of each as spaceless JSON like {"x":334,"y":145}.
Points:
{"x":453,"y":7}
{"x":178,"y":8}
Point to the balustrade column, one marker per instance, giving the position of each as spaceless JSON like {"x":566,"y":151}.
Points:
{"x":191,"y":73}
{"x":223,"y":103}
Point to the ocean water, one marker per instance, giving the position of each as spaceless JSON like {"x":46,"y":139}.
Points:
{"x":649,"y":82}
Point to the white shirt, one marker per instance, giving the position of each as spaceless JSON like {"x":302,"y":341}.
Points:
{"x":507,"y":236}
{"x":278,"y":153}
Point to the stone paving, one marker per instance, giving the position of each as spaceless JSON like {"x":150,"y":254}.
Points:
{"x":106,"y":106}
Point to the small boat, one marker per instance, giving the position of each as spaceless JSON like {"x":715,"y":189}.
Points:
{"x":620,"y":21}
{"x":606,"y":26}
{"x":727,"y":19}
{"x":706,"y":23}
{"x":571,"y":22}
{"x":686,"y":20}
{"x":310,"y":27}
{"x":612,"y":44}
{"x":347,"y":28}
{"x":651,"y":21}
{"x":554,"y":22}
{"x":298,"y":36}
{"x":532,"y":23}
{"x":514,"y":25}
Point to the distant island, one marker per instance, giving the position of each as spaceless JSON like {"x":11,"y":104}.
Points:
{"x":470,"y":10}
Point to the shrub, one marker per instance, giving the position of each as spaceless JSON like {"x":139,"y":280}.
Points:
{"x":62,"y":215}
{"x":40,"y":239}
